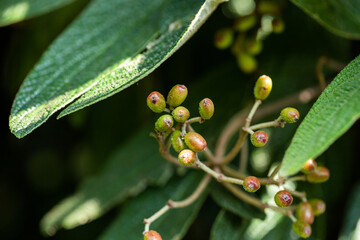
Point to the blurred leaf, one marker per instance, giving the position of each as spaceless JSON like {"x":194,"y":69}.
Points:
{"x":351,"y":227}
{"x":229,"y":202}
{"x":12,"y":11}
{"x":127,"y":173}
{"x":332,"y":114}
{"x":340,"y":17}
{"x":110,"y":46}
{"x":172,"y":225}
{"x":226,"y":226}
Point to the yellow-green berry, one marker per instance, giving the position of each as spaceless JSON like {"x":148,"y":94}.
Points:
{"x":251,"y":184}
{"x":245,"y":23}
{"x":181,"y":114}
{"x":187,"y":157}
{"x":206,"y":108}
{"x":253,"y":46}
{"x":302,"y":228}
{"x":156,"y":102}
{"x":305,"y":212}
{"x":309,"y":166}
{"x":224,"y":38}
{"x":164,"y":123}
{"x":177,"y":95}
{"x":176,"y":141}
{"x":278,"y":25}
{"x":247,"y":63}
{"x":195,"y":141}
{"x":319,"y":175}
{"x":259,"y":138}
{"x":268,"y":7}
{"x":290,"y":115}
{"x":318,"y":206}
{"x":262,"y":87}
{"x":152,"y":235}
{"x":283,"y":198}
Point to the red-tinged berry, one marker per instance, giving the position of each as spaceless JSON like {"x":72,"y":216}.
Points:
{"x":224,"y":38}
{"x":259,"y":138}
{"x":283,"y":198}
{"x":290,"y":115}
{"x":253,"y":46}
{"x":164,"y":123}
{"x":156,"y":102}
{"x":309,"y":166}
{"x":318,"y":206}
{"x":251,"y":184}
{"x":177,"y":95}
{"x":206,"y":108}
{"x":152,"y":235}
{"x":181,"y":114}
{"x":319,"y":175}
{"x":247,"y":63}
{"x":195,"y":141}
{"x":278,"y":25}
{"x":305,"y":212}
{"x":262,"y":87}
{"x":187,"y":157}
{"x":245,"y":23}
{"x":302,"y":228}
{"x":176,"y":141}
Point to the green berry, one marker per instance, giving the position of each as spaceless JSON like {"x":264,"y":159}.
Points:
{"x":195,"y":141}
{"x":268,"y":7}
{"x":224,"y":38}
{"x":309,"y":166}
{"x":278,"y":25}
{"x":305,"y":212}
{"x":251,"y":184}
{"x":290,"y":115}
{"x":187,"y":157}
{"x":206,"y":108}
{"x":156,"y":102}
{"x":177,"y":95}
{"x":181,"y":114}
{"x":176,"y":141}
{"x":302,"y":228}
{"x":319,"y":175}
{"x":262,"y":87}
{"x":259,"y":138}
{"x":164,"y":123}
{"x":246,"y":63}
{"x":245,"y":23}
{"x":283,"y":198}
{"x":318,"y":206}
{"x":152,"y":235}
{"x":253,"y":46}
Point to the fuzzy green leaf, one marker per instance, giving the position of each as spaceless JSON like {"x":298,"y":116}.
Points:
{"x":110,"y":46}
{"x":340,"y":17}
{"x":226,"y":226}
{"x":333,"y":114}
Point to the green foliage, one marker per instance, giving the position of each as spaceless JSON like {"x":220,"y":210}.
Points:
{"x":226,"y":226}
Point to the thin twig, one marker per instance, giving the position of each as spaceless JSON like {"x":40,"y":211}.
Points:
{"x":263,"y":181}
{"x":244,"y":157}
{"x":297,"y":178}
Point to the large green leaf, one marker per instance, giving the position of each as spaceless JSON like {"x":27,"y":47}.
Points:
{"x":172,"y":225}
{"x":333,"y":113}
{"x":340,"y":17}
{"x":110,"y":46}
{"x":226,"y":226}
{"x":127,"y":173}
{"x":12,"y":11}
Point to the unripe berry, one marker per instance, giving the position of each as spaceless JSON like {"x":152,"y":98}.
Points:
{"x":309,"y":166}
{"x":224,"y":38}
{"x":156,"y":102}
{"x":259,"y":138}
{"x":253,"y":46}
{"x":251,"y":184}
{"x":262,"y":87}
{"x":246,"y":62}
{"x":187,"y":157}
{"x":290,"y":115}
{"x":301,"y":228}
{"x":152,"y":235}
{"x":181,"y":114}
{"x":206,"y":108}
{"x":283,"y":198}
{"x":278,"y":25}
{"x":319,"y":175}
{"x":164,"y":123}
{"x":177,"y":95}
{"x":245,"y":23}
{"x":176,"y":141}
{"x":195,"y":141}
{"x":268,"y":7}
{"x":305,"y":212}
{"x":318,"y":206}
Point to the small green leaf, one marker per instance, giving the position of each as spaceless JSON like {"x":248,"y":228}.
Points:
{"x":226,"y":226}
{"x":127,"y":173}
{"x":12,"y":11}
{"x":333,"y":114}
{"x":173,"y":225}
{"x":340,"y":17}
{"x":234,"y":205}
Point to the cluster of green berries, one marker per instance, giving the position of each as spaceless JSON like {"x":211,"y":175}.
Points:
{"x":246,"y":36}
{"x":315,"y":173}
{"x":152,"y":235}
{"x":186,"y":144}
